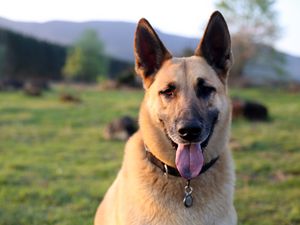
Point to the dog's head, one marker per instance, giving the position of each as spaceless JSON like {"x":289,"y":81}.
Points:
{"x":186,"y":98}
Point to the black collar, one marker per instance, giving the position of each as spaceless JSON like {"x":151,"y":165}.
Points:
{"x":173,"y":171}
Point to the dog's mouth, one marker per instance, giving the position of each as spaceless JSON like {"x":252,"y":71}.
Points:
{"x":189,"y":156}
{"x":203,"y":144}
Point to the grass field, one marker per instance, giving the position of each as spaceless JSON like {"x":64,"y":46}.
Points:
{"x":55,"y":166}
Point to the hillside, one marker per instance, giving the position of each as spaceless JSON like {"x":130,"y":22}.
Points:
{"x":117,"y":36}
{"x":118,"y":39}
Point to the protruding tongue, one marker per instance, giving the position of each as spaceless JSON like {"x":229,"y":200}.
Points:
{"x":189,"y":160}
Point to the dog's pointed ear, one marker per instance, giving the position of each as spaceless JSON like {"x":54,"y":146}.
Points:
{"x":215,"y":45}
{"x":149,"y":51}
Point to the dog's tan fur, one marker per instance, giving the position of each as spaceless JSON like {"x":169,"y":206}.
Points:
{"x":141,"y":194}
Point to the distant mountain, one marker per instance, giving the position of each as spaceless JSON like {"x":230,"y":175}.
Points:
{"x":275,"y":67}
{"x":292,"y":66}
{"x":118,"y":40}
{"x":117,"y":36}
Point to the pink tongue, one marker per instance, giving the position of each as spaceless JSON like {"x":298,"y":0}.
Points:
{"x":189,"y":160}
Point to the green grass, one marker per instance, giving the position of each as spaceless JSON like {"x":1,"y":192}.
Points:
{"x":55,"y":166}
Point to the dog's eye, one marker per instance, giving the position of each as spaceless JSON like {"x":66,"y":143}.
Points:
{"x":204,"y":91}
{"x":168,"y":92}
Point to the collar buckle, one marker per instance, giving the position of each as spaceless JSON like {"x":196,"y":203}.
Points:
{"x":166,"y":172}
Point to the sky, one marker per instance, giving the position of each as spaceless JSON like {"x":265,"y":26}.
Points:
{"x":181,"y":17}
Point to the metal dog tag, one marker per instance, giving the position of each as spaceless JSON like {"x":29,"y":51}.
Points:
{"x":188,"y":199}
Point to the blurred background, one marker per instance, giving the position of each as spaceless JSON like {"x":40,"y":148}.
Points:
{"x":69,"y":99}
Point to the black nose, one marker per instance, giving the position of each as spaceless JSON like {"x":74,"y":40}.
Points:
{"x":189,"y":131}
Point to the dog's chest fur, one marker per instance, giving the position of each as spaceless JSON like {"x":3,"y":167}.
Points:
{"x":158,"y":199}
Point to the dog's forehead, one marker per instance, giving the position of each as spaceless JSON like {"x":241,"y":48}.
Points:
{"x":187,"y":69}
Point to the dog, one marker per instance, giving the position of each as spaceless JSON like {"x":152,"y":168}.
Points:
{"x":120,"y":129}
{"x":177,"y":168}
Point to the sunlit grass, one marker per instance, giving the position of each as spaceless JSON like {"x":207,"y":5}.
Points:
{"x":55,"y":165}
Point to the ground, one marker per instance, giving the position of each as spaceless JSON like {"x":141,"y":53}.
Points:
{"x":55,"y":165}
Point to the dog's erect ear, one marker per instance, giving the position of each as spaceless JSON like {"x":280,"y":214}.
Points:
{"x":150,"y":53}
{"x":215,"y":45}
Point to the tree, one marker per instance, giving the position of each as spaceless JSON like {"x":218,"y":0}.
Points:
{"x":73,"y":66}
{"x":86,"y":59}
{"x":253,"y":24}
{"x":2,"y":54}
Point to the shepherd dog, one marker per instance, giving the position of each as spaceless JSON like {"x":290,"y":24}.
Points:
{"x":177,"y":168}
